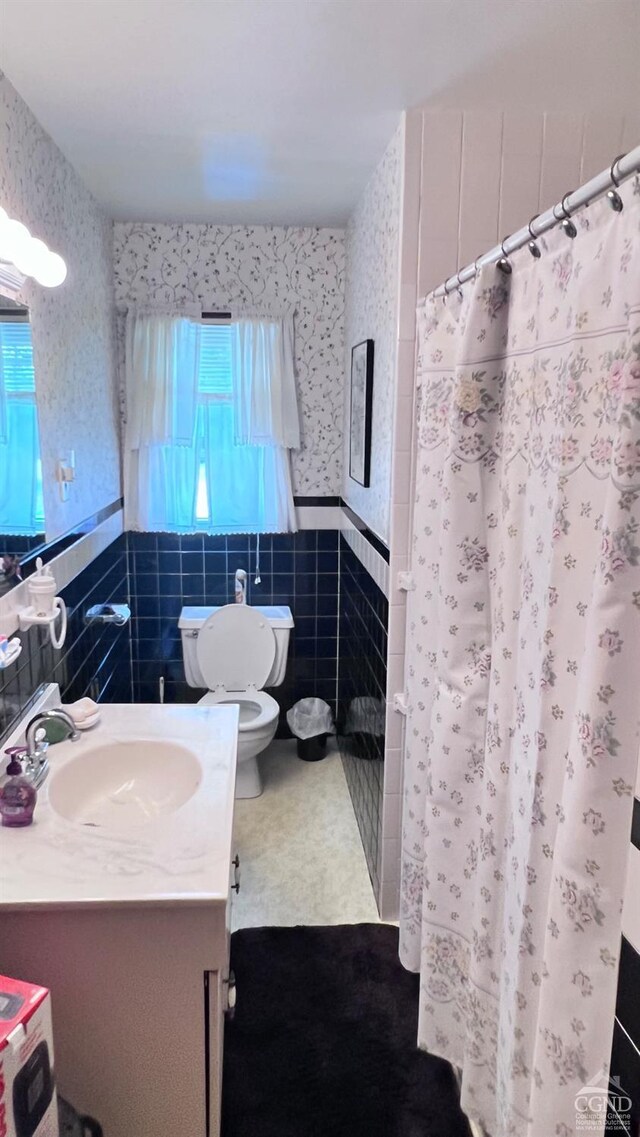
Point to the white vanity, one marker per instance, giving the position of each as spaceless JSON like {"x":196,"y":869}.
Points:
{"x":117,"y":899}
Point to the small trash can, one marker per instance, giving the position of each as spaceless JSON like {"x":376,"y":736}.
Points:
{"x":311,"y":721}
{"x":312,"y":749}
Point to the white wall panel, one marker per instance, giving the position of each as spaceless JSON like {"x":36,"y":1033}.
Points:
{"x":561,"y":157}
{"x":601,"y":142}
{"x":479,"y":183}
{"x":520,"y":176}
{"x":440,"y":196}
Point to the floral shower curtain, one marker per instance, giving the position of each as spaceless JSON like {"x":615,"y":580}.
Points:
{"x":524,"y":670}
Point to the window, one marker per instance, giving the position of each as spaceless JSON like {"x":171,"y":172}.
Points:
{"x":21,"y":500}
{"x":238,"y":485}
{"x":211,"y":418}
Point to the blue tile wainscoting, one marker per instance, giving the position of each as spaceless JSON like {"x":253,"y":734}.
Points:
{"x":168,"y":571}
{"x":362,"y":680}
{"x":95,"y":658}
{"x":19,"y":546}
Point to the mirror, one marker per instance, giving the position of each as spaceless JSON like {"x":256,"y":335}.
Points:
{"x":21,"y":500}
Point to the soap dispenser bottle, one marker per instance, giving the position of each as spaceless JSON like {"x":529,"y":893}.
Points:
{"x":17,"y":794}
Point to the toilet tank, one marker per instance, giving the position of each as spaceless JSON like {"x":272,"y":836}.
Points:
{"x":192,"y":618}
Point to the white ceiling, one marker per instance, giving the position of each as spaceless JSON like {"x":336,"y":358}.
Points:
{"x":260,"y":111}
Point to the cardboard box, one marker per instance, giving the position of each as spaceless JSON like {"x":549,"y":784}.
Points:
{"x":28,"y":1105}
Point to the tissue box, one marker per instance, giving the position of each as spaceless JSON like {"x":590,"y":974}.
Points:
{"x":28,"y":1105}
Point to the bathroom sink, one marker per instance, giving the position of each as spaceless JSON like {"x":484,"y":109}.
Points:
{"x":122,"y":785}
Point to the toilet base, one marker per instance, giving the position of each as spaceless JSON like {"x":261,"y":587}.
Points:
{"x":248,"y":780}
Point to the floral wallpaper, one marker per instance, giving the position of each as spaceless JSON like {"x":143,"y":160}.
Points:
{"x":259,"y":268}
{"x":371,"y":312}
{"x":73,"y":325}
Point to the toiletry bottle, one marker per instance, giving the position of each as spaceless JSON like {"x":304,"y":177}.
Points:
{"x":17,"y":794}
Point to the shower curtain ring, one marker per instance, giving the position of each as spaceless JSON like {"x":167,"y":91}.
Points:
{"x":567,"y":224}
{"x":613,"y":197}
{"x":504,"y":263}
{"x":448,"y":288}
{"x":612,"y":174}
{"x":533,"y":245}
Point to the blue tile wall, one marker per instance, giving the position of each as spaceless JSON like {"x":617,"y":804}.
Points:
{"x":168,"y":571}
{"x":18,"y":546}
{"x":362,"y":680}
{"x":95,"y":659}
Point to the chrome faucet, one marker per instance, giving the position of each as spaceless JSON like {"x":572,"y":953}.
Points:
{"x":36,"y":761}
{"x":240,"y":589}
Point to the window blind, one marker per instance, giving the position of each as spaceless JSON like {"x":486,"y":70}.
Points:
{"x":21,"y":499}
{"x":215,"y":360}
{"x":17,"y":357}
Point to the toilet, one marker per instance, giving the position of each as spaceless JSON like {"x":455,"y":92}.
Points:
{"x":235,"y":651}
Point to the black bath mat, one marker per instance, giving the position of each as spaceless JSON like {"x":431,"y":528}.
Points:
{"x":323,"y":1040}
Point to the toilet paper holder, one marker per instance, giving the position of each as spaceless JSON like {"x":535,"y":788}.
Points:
{"x":118,"y":614}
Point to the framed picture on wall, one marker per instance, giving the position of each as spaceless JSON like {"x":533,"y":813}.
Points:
{"x":360,"y":412}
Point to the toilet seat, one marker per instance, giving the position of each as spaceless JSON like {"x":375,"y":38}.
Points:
{"x":236,"y":648}
{"x":266,"y":707}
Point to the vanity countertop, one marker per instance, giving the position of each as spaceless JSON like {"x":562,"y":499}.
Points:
{"x":179,"y":857}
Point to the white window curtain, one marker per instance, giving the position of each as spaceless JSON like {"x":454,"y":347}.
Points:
{"x":264,"y":382}
{"x":162,"y":352}
{"x":248,"y":487}
{"x":523,"y":665}
{"x":184,"y":423}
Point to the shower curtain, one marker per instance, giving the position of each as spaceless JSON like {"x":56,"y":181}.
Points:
{"x":523,"y":671}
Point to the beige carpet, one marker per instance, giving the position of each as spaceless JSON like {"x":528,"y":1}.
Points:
{"x":300,"y":852}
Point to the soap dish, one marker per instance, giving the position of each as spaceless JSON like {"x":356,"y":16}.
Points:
{"x":10,"y":654}
{"x":85,"y":713}
{"x":91,"y":720}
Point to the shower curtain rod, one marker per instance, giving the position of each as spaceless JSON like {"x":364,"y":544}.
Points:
{"x":620,"y":169}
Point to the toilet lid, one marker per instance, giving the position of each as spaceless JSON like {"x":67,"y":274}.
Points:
{"x":236,"y":648}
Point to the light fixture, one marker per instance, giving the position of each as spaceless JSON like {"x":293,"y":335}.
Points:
{"x":15,"y":238}
{"x":29,"y":254}
{"x":52,"y":271}
{"x":35,"y":259}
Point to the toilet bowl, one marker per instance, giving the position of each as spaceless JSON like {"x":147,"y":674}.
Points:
{"x":256,"y":729}
{"x":235,"y":651}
